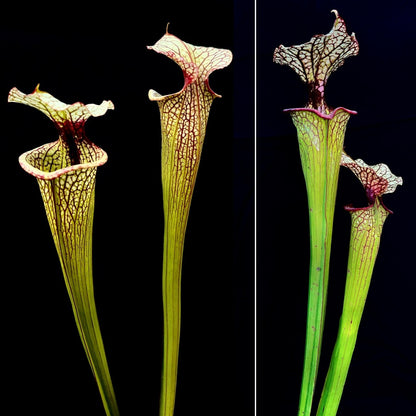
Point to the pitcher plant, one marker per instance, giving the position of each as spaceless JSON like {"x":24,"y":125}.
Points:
{"x":65,"y":171}
{"x":184,"y":117}
{"x":366,"y":228}
{"x":321,"y":131}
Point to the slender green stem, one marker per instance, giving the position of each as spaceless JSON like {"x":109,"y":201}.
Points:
{"x":366,"y":230}
{"x":318,"y":281}
{"x":321,"y":140}
{"x":171,"y":278}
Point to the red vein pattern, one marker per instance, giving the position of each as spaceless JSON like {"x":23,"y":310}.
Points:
{"x":184,"y":116}
{"x":320,"y":131}
{"x":366,"y":229}
{"x":321,"y":139}
{"x":73,"y":150}
{"x":314,"y":61}
{"x":66,"y":171}
{"x":377,"y":180}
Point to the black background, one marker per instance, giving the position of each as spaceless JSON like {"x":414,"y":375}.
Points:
{"x":378,"y":84}
{"x":89,"y":52}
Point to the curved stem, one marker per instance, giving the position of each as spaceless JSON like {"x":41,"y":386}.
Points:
{"x":69,"y":204}
{"x":66,"y":171}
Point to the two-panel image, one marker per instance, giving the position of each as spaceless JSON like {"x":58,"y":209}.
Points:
{"x":208,"y":208}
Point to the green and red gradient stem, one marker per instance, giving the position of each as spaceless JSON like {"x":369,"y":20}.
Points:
{"x":321,"y":141}
{"x":184,"y":117}
{"x":366,"y":228}
{"x":321,"y":131}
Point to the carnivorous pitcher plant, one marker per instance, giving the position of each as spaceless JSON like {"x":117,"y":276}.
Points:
{"x":366,"y":228}
{"x":66,"y":171}
{"x":184,"y":117}
{"x":321,"y":131}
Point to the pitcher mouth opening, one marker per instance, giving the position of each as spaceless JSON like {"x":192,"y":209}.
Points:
{"x":329,"y":116}
{"x":30,"y":167}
